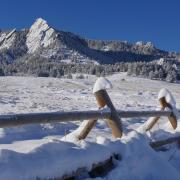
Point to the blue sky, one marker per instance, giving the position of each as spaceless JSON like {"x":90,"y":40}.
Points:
{"x":132,"y":20}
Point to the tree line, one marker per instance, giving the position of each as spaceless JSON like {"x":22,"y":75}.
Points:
{"x":42,"y":67}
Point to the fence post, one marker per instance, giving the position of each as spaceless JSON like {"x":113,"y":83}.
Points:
{"x":172,"y":118}
{"x":103,"y":99}
{"x":114,"y":121}
{"x":87,"y":128}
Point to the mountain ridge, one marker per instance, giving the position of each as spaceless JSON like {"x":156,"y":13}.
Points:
{"x":61,"y":46}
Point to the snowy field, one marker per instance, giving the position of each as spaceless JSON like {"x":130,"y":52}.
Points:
{"x":52,"y":150}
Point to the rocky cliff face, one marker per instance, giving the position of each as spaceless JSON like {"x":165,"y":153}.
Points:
{"x":12,"y":45}
{"x":7,"y":39}
{"x":124,"y":46}
{"x":40,"y":35}
{"x":43,"y":40}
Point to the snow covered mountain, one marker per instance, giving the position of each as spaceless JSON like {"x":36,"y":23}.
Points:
{"x":43,"y":40}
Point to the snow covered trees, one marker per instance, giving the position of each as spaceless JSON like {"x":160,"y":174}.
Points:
{"x":40,"y":66}
{"x":168,"y":71}
{"x":1,"y":72}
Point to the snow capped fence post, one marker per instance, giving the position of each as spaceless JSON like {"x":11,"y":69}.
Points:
{"x":166,"y":101}
{"x":103,"y":100}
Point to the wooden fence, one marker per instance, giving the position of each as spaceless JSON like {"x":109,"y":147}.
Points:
{"x":106,"y":111}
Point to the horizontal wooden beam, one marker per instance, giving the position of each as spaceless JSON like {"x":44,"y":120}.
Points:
{"x":130,"y":114}
{"x":49,"y":117}
{"x":52,"y":117}
{"x":160,"y":143}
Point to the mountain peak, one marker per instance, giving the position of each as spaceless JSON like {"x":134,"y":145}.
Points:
{"x":40,"y":21}
{"x":40,"y":35}
{"x":39,"y":24}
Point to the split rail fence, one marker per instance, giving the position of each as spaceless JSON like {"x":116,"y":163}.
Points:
{"x":106,"y":111}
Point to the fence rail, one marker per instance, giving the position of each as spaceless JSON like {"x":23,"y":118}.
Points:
{"x":53,"y":117}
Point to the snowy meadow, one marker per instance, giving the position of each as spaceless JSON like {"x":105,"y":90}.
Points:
{"x":52,"y":150}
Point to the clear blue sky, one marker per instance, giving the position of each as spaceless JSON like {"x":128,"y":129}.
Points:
{"x":132,"y":20}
